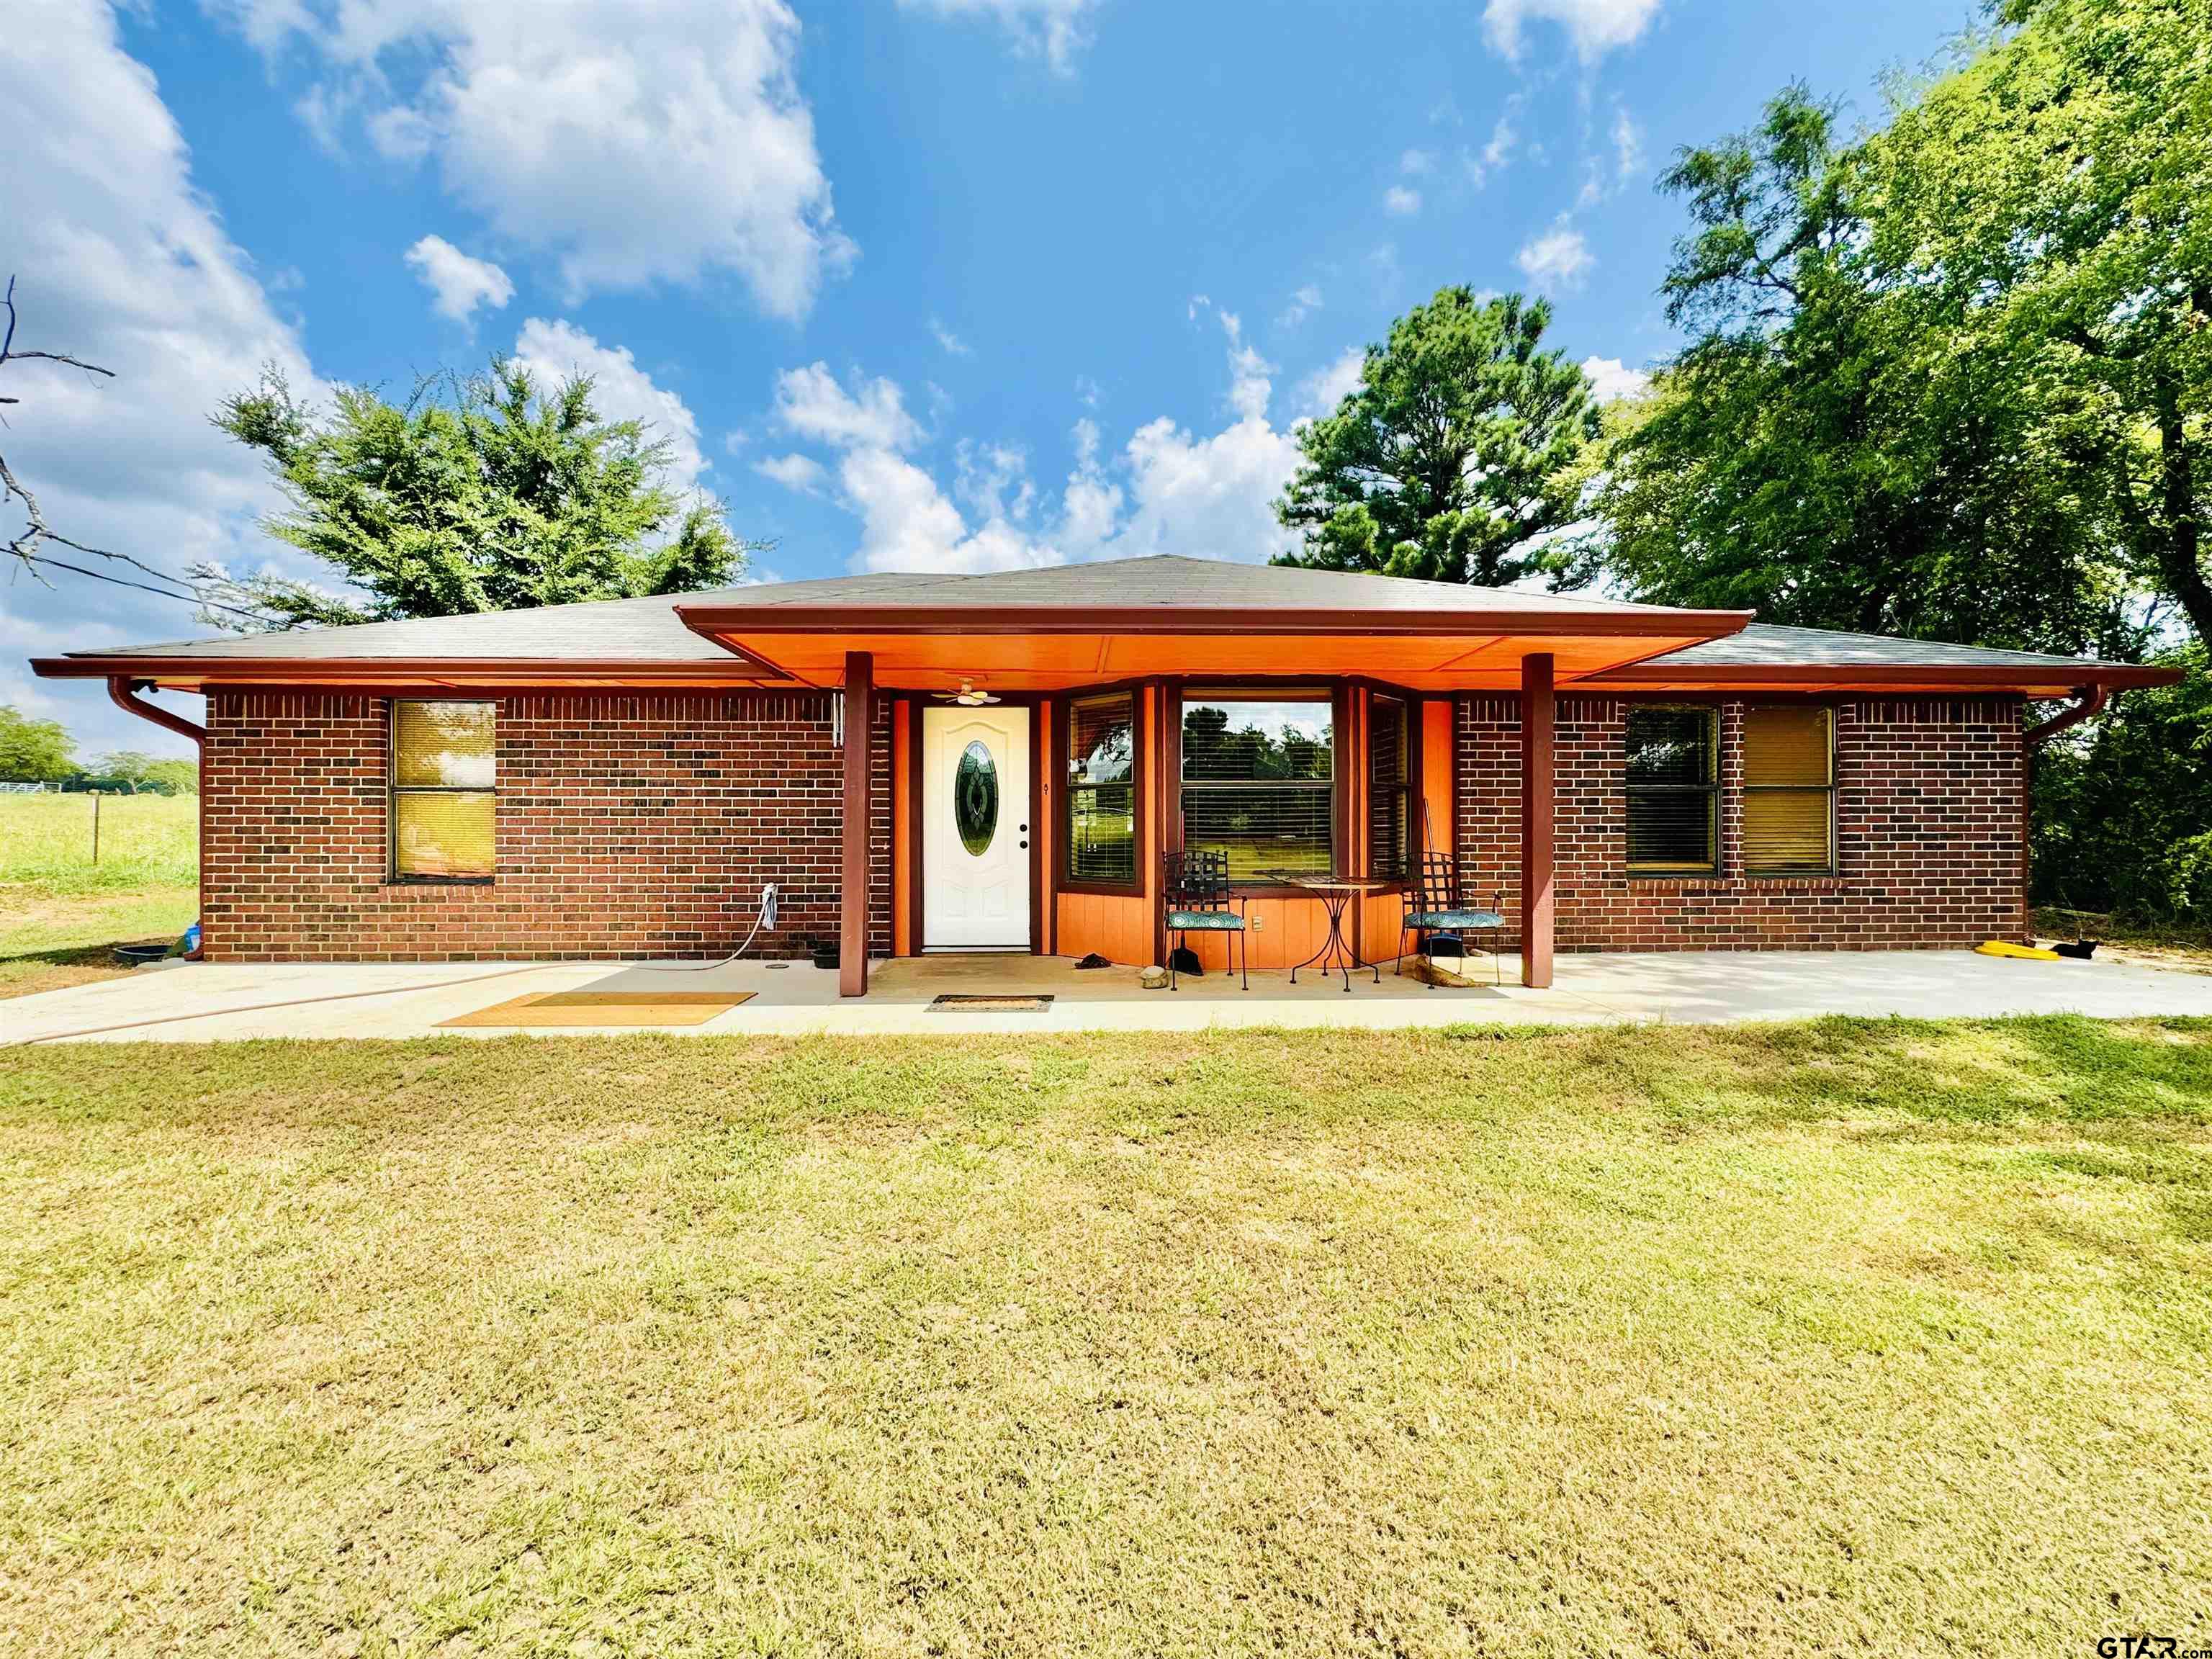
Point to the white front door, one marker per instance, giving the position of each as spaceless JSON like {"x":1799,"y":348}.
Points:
{"x":976,"y":828}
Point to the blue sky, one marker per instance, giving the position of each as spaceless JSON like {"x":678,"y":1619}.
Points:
{"x":909,"y":283}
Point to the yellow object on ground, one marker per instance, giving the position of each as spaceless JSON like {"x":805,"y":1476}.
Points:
{"x":569,"y":1008}
{"x":1998,"y":947}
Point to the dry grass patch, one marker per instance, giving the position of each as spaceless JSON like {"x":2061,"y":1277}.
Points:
{"x":49,"y":941}
{"x":1827,"y":1337}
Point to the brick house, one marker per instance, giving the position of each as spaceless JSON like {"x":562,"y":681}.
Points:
{"x":998,"y":763}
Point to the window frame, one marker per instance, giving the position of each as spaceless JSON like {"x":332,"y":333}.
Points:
{"x":1333,"y":695}
{"x":1408,"y":762}
{"x":1710,"y":789}
{"x":1778,"y":871}
{"x":1063,"y":717}
{"x":393,"y":789}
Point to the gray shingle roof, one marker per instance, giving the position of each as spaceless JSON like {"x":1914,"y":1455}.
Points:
{"x":649,"y":630}
{"x":1765,"y":645}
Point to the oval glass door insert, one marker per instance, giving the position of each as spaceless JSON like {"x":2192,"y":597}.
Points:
{"x":975,"y":798}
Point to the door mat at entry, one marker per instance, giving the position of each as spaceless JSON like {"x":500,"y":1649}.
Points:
{"x":605,"y":1008}
{"x":949,"y":1003}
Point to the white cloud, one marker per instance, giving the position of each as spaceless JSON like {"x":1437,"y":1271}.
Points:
{"x":1303,"y":304}
{"x":1558,"y":258}
{"x":634,"y":144}
{"x":1249,"y":385}
{"x":1611,"y":379}
{"x":1504,"y":135}
{"x":620,"y":391}
{"x":1593,"y":27}
{"x":952,"y":344}
{"x":810,"y":403}
{"x":1321,"y":391}
{"x":1057,"y":29}
{"x":993,"y":480}
{"x":1627,"y":145}
{"x":793,"y":471}
{"x":1400,"y":201}
{"x":121,"y":261}
{"x":1415,"y":163}
{"x":1167,"y":490}
{"x":457,"y":284}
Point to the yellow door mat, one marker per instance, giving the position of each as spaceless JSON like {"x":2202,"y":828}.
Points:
{"x":606,"y":1008}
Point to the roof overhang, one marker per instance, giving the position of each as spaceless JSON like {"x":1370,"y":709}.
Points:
{"x":1046,"y":649}
{"x":199,"y":673}
{"x":1893,"y":679}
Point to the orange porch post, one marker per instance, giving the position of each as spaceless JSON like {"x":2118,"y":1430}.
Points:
{"x":853,"y":891}
{"x":1539,"y":805}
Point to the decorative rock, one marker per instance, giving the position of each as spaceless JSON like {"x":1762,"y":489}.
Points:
{"x":1153,"y":979}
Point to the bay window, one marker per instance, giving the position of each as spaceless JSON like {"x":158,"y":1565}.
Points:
{"x":1100,"y":831}
{"x":1258,"y":780}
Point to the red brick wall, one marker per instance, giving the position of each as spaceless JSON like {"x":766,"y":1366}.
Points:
{"x":1931,"y":797}
{"x":628,"y":825}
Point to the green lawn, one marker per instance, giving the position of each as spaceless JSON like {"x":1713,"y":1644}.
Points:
{"x":60,"y":911}
{"x":1864,"y":1337}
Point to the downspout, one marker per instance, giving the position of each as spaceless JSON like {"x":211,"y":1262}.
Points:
{"x":122,"y":691}
{"x":2089,"y":702}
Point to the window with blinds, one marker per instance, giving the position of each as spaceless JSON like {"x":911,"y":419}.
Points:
{"x":444,"y":783}
{"x":1671,"y":782}
{"x":1389,"y":787}
{"x":1101,"y":797}
{"x":1257,"y":780}
{"x":1788,"y":791}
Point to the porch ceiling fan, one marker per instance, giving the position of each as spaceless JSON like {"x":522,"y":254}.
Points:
{"x":967,"y":697}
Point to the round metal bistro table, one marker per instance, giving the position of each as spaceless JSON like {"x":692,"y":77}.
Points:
{"x":1337,"y":955}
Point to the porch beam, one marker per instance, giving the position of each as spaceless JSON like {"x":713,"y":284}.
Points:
{"x":853,"y":892}
{"x":1538,"y":810}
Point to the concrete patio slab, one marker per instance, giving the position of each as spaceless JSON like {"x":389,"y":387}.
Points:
{"x":207,"y":1002}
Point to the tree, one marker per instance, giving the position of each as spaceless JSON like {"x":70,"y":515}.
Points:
{"x":488,"y":493}
{"x":32,"y":547}
{"x":1824,"y":451}
{"x":34,"y":751}
{"x":2123,"y":805}
{"x":139,"y":772}
{"x":2056,"y":190}
{"x":1452,"y":459}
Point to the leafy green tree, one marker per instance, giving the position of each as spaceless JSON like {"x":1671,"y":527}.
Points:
{"x":488,"y":493}
{"x":1452,"y":459}
{"x":2054,"y":190}
{"x":34,"y":751}
{"x":1823,"y":451}
{"x":2123,"y":805}
{"x":148,"y":773}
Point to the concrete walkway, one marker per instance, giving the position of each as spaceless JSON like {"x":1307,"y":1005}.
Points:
{"x":201,"y":1003}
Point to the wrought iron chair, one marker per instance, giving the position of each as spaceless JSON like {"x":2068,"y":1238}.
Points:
{"x":1439,"y":912}
{"x":1195,"y":888}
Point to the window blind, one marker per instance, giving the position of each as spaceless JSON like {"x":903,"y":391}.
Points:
{"x":1257,"y":782}
{"x":1789,"y":790}
{"x":1389,"y":791}
{"x":1102,"y":796}
{"x":444,"y":778}
{"x":1671,"y":776}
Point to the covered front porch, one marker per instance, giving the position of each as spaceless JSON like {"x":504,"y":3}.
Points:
{"x":1278,"y":718}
